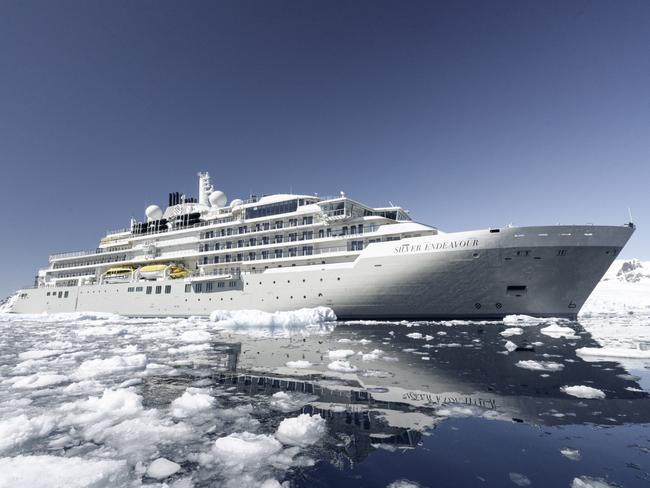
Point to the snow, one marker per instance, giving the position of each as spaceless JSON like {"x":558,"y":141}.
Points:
{"x":191,"y":403}
{"x":557,"y":331}
{"x":624,"y":288}
{"x":162,"y":468}
{"x":540,"y":365}
{"x":510,"y":346}
{"x":340,"y":353}
{"x":524,"y":320}
{"x":582,"y":391}
{"x":115,"y":364}
{"x":512,"y":331}
{"x":342,"y":366}
{"x":57,"y":471}
{"x":300,"y":364}
{"x":414,"y":335}
{"x":302,"y":430}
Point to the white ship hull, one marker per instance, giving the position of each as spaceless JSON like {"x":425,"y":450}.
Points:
{"x":541,"y":271}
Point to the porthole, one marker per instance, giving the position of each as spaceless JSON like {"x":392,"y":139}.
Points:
{"x":304,"y":296}
{"x":476,"y":255}
{"x":498,"y":305}
{"x":477,"y":306}
{"x":320,"y":294}
{"x":321,"y":279}
{"x":277,"y":298}
{"x":338,"y":279}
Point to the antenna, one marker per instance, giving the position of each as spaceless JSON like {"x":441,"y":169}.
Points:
{"x":390,"y":203}
{"x":629,"y":212}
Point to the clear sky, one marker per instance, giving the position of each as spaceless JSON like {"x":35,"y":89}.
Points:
{"x":469,"y":114}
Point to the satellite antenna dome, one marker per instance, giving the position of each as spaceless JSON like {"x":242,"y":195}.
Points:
{"x":218,"y":199}
{"x":153,"y":212}
{"x":236,"y":203}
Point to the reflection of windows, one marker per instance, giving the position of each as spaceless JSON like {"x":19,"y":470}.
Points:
{"x":271,"y":209}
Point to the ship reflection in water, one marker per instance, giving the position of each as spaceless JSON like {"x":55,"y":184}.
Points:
{"x":439,"y":405}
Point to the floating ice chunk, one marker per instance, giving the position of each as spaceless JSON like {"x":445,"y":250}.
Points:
{"x":519,"y":479}
{"x":188,"y":349}
{"x":371,"y":356}
{"x":38,"y":354}
{"x":572,"y":454}
{"x":39,"y":380}
{"x":15,"y":431}
{"x":302,"y":430}
{"x":540,"y":365}
{"x":510,"y":346}
{"x":414,"y":335}
{"x":300,"y":364}
{"x":162,"y":468}
{"x":71,"y":472}
{"x":582,"y":391}
{"x":512,"y":331}
{"x":242,"y":451}
{"x":115,"y":364}
{"x":340,"y":353}
{"x":613,"y":352}
{"x":256,"y":318}
{"x":527,"y":320}
{"x":403,"y":484}
{"x":290,"y":402}
{"x":587,"y":482}
{"x":195,"y":336}
{"x":558,"y":331}
{"x":342,"y":366}
{"x":189,"y":404}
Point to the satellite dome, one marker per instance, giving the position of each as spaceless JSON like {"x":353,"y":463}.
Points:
{"x":153,"y":212}
{"x":218,"y":199}
{"x":236,"y":203}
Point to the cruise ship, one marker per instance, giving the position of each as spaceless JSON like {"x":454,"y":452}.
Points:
{"x":285,"y":252}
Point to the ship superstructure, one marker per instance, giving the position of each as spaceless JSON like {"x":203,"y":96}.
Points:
{"x":286,"y":251}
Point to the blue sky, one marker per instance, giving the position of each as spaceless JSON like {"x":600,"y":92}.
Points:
{"x":470,"y":114}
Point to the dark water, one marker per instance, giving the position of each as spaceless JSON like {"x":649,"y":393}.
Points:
{"x":452,"y":408}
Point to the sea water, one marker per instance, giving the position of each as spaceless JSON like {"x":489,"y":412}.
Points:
{"x":298,"y":399}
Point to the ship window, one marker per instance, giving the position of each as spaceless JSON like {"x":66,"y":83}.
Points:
{"x":208,"y":286}
{"x":65,"y":294}
{"x":48,"y":293}
{"x":168,"y":288}
{"x":188,"y":288}
{"x":60,"y":294}
{"x":232,"y":284}
{"x":221,"y":284}
{"x":158,"y":290}
{"x":561,"y":252}
{"x":130,"y":289}
{"x":138,"y":288}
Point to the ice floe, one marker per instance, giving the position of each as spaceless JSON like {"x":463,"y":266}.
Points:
{"x":613,"y":352}
{"x":162,"y":468}
{"x":57,"y":471}
{"x":340,"y":353}
{"x":300,"y":364}
{"x":273,"y":323}
{"x":587,"y":482}
{"x":115,"y":364}
{"x":572,"y":454}
{"x":245,"y":450}
{"x":342,"y":366}
{"x":540,"y":365}
{"x":582,"y":391}
{"x":512,"y":331}
{"x":558,"y":331}
{"x":302,"y":430}
{"x":191,"y":403}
